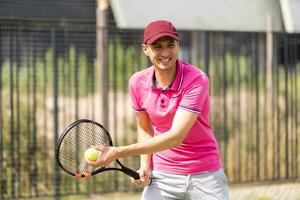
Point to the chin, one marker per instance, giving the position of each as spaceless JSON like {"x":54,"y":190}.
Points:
{"x":163,"y":67}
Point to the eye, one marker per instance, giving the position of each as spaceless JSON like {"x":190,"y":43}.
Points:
{"x":156,"y":47}
{"x":171,"y":45}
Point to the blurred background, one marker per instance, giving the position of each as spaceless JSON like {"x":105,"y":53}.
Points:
{"x":63,"y":60}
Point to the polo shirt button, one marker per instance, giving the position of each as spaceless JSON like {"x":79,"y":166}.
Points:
{"x":163,"y":105}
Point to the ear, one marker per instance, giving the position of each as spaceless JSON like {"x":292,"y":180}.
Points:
{"x":145,"y":49}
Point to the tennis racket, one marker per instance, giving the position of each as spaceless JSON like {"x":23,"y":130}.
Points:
{"x":72,"y":143}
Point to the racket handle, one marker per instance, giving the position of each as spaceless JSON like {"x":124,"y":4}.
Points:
{"x":131,"y":173}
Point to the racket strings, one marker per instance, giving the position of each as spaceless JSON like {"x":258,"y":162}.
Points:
{"x":79,"y":138}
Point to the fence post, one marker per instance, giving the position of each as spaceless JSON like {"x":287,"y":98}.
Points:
{"x":269,"y":87}
{"x":101,"y":24}
{"x":55,"y":112}
{"x":1,"y":131}
{"x":206,"y":51}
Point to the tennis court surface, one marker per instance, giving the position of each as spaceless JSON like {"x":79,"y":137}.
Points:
{"x":288,"y":191}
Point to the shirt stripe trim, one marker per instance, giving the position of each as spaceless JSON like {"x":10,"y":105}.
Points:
{"x":189,"y":109}
{"x":137,"y":110}
{"x":181,"y":77}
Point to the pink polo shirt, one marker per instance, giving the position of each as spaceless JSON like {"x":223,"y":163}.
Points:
{"x":190,"y":91}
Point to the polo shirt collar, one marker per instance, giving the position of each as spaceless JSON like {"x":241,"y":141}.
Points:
{"x":176,"y":84}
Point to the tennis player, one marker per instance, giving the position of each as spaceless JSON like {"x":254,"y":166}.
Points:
{"x":180,"y":158}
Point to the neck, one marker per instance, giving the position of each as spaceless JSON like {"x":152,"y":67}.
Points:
{"x":165,"y":78}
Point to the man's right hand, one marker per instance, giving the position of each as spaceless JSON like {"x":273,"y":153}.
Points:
{"x":144,"y":178}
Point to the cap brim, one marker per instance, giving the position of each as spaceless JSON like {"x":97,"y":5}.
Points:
{"x":159,"y":35}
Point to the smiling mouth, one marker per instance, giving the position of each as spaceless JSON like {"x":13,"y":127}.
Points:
{"x":163,"y":60}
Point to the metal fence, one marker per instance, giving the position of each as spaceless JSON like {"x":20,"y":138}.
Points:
{"x":49,"y":77}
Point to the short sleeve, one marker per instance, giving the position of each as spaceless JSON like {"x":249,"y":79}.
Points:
{"x":195,"y":95}
{"x":134,"y":94}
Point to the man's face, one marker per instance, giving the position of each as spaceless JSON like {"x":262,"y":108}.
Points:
{"x":163,"y":53}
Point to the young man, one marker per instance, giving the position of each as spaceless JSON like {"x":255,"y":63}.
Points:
{"x":176,"y":143}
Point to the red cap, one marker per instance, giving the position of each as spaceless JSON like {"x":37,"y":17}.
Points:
{"x":158,"y":29}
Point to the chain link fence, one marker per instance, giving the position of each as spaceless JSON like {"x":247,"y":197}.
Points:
{"x":50,"y":76}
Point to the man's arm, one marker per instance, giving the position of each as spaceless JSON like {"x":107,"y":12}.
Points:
{"x":182,"y":123}
{"x":145,"y":132}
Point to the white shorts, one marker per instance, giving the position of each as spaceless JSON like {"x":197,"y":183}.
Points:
{"x":204,"y":186}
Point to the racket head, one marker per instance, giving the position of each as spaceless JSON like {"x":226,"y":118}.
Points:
{"x":72,"y":143}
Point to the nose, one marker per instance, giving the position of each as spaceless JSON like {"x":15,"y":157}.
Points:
{"x":165,"y":52}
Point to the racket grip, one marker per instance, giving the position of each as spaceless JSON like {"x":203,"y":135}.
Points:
{"x":131,"y":173}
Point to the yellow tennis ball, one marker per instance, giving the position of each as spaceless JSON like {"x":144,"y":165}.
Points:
{"x":91,"y":154}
